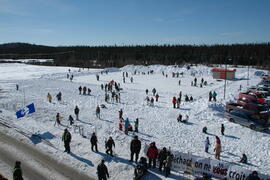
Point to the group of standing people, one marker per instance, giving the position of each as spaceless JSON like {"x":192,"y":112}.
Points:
{"x":84,"y":90}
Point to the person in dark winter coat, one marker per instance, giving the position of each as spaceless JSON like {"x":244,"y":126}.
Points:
{"x":162,"y":156}
{"x":210,"y":96}
{"x":98,"y":112}
{"x":206,"y":144}
{"x":214,"y":95}
{"x":17,"y":171}
{"x":94,"y":141}
{"x":146,"y":91}
{"x":102,"y":171}
{"x":154,"y":91}
{"x":244,"y":159}
{"x":179,"y":118}
{"x":135,"y":148}
{"x":71,"y":120}
{"x":253,"y":176}
{"x":152,"y":154}
{"x":157,"y":96}
{"x":141,"y":168}
{"x":120,"y":114}
{"x":66,"y":137}
{"x":136,"y":125}
{"x":174,"y":102}
{"x":89,"y":91}
{"x":80,"y":90}
{"x":84,"y":90}
{"x":76,"y":112}
{"x":109,"y":144}
{"x":59,"y":96}
{"x":222,"y":129}
{"x":57,"y":119}
{"x":204,"y":130}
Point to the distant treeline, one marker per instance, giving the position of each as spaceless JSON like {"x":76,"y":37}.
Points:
{"x":117,"y":56}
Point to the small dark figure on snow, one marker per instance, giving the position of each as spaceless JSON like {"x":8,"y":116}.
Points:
{"x":102,"y":86}
{"x":66,"y":137}
{"x":57,"y":119}
{"x":191,"y":98}
{"x":146,"y":91}
{"x":152,"y":154}
{"x":206,"y":144}
{"x":98,"y":112}
{"x":174,"y":102}
{"x":89,"y":91}
{"x":80,"y":90}
{"x":154,"y":91}
{"x":71,"y":120}
{"x":97,"y":76}
{"x":152,"y":101}
{"x":214,"y":95}
{"x":178,"y":101}
{"x":186,"y":98}
{"x":93,"y":142}
{"x":126,"y":126}
{"x":210,"y":96}
{"x":162,"y":156}
{"x":135,"y":148}
{"x":120,"y":114}
{"x":120,"y":125}
{"x":136,"y":125}
{"x":76,"y":112}
{"x":84,"y":90}
{"x":102,"y":171}
{"x":222,"y":129}
{"x":253,"y":176}
{"x":179,"y":118}
{"x":157,"y":96}
{"x":17,"y":87}
{"x":141,"y":168}
{"x":59,"y":96}
{"x":244,"y":159}
{"x":109,"y":145}
{"x":179,"y":82}
{"x":17,"y":171}
{"x":204,"y":130}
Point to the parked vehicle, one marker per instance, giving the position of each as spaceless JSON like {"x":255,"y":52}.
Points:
{"x":246,"y":119}
{"x":253,"y":96}
{"x":256,"y":109}
{"x":262,"y":90}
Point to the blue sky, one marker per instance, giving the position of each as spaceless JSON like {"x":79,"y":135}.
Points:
{"x":124,"y":22}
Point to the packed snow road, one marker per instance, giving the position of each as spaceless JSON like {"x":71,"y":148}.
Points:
{"x":35,"y":164}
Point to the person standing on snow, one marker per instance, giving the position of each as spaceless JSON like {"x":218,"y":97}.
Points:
{"x":120,"y":125}
{"x":57,"y":119}
{"x":146,"y":91}
{"x":217,"y":148}
{"x":210,"y":96}
{"x":84,"y":90}
{"x":157,"y":96}
{"x":93,"y":142}
{"x":152,"y":154}
{"x":214,"y":94}
{"x":98,"y":112}
{"x":71,"y":120}
{"x":154,"y":91}
{"x":206,"y":144}
{"x":66,"y":137}
{"x":222,"y":129}
{"x":178,"y":101}
{"x":80,"y":90}
{"x":174,"y":102}
{"x":136,"y":125}
{"x":109,"y":145}
{"x":120,"y":114}
{"x":102,"y":171}
{"x":168,"y":164}
{"x":162,"y":156}
{"x":17,"y":171}
{"x":135,"y":148}
{"x":126,"y":126}
{"x":49,"y":97}
{"x":59,"y":96}
{"x":76,"y":112}
{"x":244,"y":159}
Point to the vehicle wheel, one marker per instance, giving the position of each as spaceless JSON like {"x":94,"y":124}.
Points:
{"x":252,"y":126}
{"x":231,"y":120}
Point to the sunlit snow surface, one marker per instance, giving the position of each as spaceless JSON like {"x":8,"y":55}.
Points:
{"x":156,"y":123}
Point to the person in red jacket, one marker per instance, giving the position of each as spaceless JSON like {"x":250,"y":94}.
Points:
{"x":120,"y":125}
{"x":174,"y":101}
{"x":152,"y":154}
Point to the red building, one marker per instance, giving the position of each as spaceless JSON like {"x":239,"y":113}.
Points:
{"x":219,"y":73}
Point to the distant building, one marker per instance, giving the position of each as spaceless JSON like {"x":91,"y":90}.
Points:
{"x":219,"y":73}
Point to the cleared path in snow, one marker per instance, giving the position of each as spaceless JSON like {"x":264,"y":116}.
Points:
{"x":35,"y":164}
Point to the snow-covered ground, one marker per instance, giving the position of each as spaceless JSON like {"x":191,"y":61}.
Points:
{"x":157,"y":123}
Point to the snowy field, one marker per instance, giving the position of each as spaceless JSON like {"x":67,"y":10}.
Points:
{"x":156,"y":123}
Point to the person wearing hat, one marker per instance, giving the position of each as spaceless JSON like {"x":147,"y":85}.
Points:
{"x":135,"y":148}
{"x":102,"y":171}
{"x":17,"y":171}
{"x":253,"y":176}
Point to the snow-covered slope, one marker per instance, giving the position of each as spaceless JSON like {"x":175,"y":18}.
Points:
{"x":157,"y":123}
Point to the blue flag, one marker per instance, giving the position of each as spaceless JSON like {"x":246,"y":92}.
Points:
{"x":27,"y":110}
